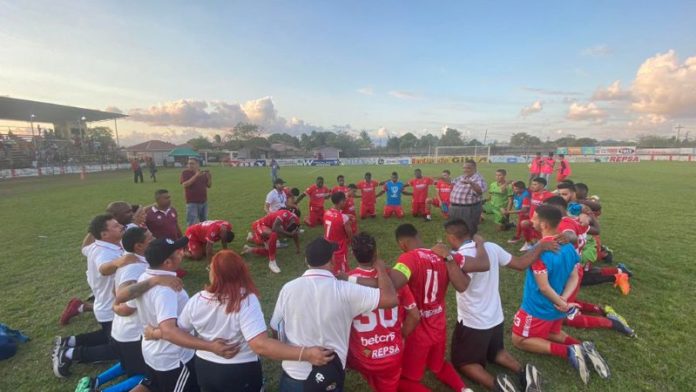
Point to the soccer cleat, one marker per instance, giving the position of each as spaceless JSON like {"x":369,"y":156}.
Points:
{"x":527,"y":246}
{"x":72,"y":309}
{"x":598,"y":363}
{"x":428,"y":218}
{"x":622,"y":283}
{"x":607,"y":255}
{"x":250,"y":236}
{"x":576,"y":358}
{"x":532,"y":378}
{"x":61,"y":363}
{"x":618,"y":322}
{"x":504,"y":384}
{"x":624,"y":269}
{"x":87,"y":384}
{"x":513,"y":240}
{"x":274,"y":266}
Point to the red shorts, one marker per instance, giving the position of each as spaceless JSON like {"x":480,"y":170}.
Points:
{"x":257,"y":230}
{"x":393,"y":210}
{"x":581,"y":273}
{"x":443,"y":205}
{"x":366,"y":210}
{"x":418,"y":208}
{"x":195,"y":248}
{"x":382,"y":380}
{"x":528,"y":326}
{"x":340,"y":262}
{"x":419,"y":354}
{"x":316,"y":216}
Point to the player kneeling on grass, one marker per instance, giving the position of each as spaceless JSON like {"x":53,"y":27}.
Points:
{"x":317,"y":193}
{"x":377,"y":338}
{"x":337,"y":229}
{"x":202,"y":236}
{"x":444,"y":189}
{"x":537,"y":324}
{"x":266,"y":230}
{"x":478,"y":335}
{"x":500,"y":200}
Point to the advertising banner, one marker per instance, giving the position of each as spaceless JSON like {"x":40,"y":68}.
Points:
{"x":447,"y":159}
{"x":587,"y":150}
{"x":58,"y":170}
{"x":619,"y":150}
{"x":359,"y":161}
{"x":508,"y":159}
{"x":620,"y":159}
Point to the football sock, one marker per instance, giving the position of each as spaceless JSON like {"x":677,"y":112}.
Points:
{"x":406,"y":385}
{"x":110,"y":374}
{"x":588,"y":322}
{"x":125,"y":385}
{"x":609,"y":271}
{"x":559,"y":350}
{"x":450,"y":377}
{"x":569,"y":340}
{"x":587,"y":307}
{"x":71,"y":341}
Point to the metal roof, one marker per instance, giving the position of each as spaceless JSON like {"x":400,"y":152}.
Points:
{"x":22,"y":110}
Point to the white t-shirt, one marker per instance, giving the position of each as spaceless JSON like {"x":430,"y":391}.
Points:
{"x":158,"y":304}
{"x":317,"y":309}
{"x":276,"y":200}
{"x":98,"y":253}
{"x":479,"y":307}
{"x":204,"y":314}
{"x":128,"y":329}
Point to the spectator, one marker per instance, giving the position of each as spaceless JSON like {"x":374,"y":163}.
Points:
{"x":276,"y":197}
{"x":137,"y":171}
{"x":327,"y":322}
{"x":161,"y":217}
{"x":152,"y":168}
{"x":196,"y":183}
{"x":466,"y":196}
{"x":274,"y":170}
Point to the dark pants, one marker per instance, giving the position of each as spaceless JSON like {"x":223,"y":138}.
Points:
{"x":289,"y":384}
{"x":181,"y":379}
{"x":594,"y":276}
{"x":470,"y":213}
{"x":95,"y":346}
{"x":218,"y":377}
{"x":138,"y":175}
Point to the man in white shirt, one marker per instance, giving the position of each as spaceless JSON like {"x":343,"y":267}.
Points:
{"x":94,"y":346}
{"x":169,"y":359}
{"x":276,"y":198}
{"x":478,"y":335}
{"x":327,"y":321}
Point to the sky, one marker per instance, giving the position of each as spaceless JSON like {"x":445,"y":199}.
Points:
{"x":179,"y":69}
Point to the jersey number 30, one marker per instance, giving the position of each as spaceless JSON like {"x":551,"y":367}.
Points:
{"x":368,"y":321}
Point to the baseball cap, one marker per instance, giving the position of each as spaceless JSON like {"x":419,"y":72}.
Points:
{"x":160,"y":249}
{"x":319,"y":252}
{"x":279,"y":181}
{"x":329,"y":377}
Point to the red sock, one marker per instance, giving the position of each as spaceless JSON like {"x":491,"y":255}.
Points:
{"x":609,"y":271}
{"x":450,"y":377}
{"x":589,"y":322}
{"x":587,"y":307}
{"x":559,"y":350}
{"x":569,"y":340}
{"x":272,"y":243}
{"x":406,"y":385}
{"x":518,"y":233}
{"x":259,"y":251}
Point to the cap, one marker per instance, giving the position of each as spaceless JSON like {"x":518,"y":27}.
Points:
{"x":160,"y":249}
{"x":329,"y":377}
{"x":279,"y":181}
{"x":319,"y":252}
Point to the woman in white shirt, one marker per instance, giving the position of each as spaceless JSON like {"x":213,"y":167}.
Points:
{"x":229,"y":309}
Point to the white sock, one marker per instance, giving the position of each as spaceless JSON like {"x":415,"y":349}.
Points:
{"x":81,"y":308}
{"x":69,"y":353}
{"x":71,"y":341}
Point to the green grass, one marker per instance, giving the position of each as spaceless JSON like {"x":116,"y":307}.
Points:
{"x":648,"y":220}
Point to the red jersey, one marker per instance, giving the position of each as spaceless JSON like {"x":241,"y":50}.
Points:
{"x":572,"y":224}
{"x":538,"y":199}
{"x":317,"y":195}
{"x":536,"y":165}
{"x":443,"y":190}
{"x":428,"y":280}
{"x":420,"y":188}
{"x":208,"y":231}
{"x":349,"y":208}
{"x":547,"y":165}
{"x":367,"y":191}
{"x":334,"y":226}
{"x":376,"y":342}
{"x":286,"y":219}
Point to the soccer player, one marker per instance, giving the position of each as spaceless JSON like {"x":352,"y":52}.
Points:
{"x":563,"y":168}
{"x":535,"y":167}
{"x":521,"y":201}
{"x":394,"y":189}
{"x":337,"y":229}
{"x":478,"y":334}
{"x":317,"y":194}
{"x":547,"y":165}
{"x":349,"y":207}
{"x":549,"y":282}
{"x":265,"y":232}
{"x":539,"y":194}
{"x":368,"y":192}
{"x":500,"y":199}
{"x":420,"y":185}
{"x":203,"y":235}
{"x":376,"y":343}
{"x":576,"y":232}
{"x":444,"y":188}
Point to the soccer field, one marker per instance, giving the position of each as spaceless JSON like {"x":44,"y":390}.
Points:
{"x":648,"y":220}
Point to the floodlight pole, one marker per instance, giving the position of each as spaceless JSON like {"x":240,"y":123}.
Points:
{"x":33,"y":140}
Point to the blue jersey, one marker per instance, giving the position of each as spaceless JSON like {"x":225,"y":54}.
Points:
{"x":558,"y":267}
{"x":518,"y":199}
{"x":393,"y":190}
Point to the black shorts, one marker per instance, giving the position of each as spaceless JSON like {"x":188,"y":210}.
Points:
{"x":219,"y":377}
{"x":181,"y":379}
{"x":130,"y":354}
{"x":480,"y":346}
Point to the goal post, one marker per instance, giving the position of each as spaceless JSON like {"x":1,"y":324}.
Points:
{"x":477,"y":153}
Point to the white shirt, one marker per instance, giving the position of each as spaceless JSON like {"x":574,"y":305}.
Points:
{"x":208,"y":317}
{"x":317,"y":309}
{"x":276,"y":200}
{"x":98,"y":253}
{"x":479,"y":307}
{"x":158,"y":304}
{"x":128,"y":329}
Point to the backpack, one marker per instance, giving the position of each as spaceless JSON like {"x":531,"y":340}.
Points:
{"x":9,"y":338}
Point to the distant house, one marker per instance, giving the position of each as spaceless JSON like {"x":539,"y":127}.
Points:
{"x":158,"y":150}
{"x":326,"y":152}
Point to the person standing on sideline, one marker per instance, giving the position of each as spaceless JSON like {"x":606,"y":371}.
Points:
{"x":547,"y":166}
{"x":161,"y":217}
{"x":501,"y":200}
{"x":152,"y":168}
{"x":563,"y":168}
{"x":275,"y":167}
{"x":328,"y":321}
{"x":535,"y":167}
{"x":196,"y":183}
{"x":137,"y":171}
{"x":466,"y":196}
{"x":276,"y":197}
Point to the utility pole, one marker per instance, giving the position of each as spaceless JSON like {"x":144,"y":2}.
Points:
{"x":679,"y":127}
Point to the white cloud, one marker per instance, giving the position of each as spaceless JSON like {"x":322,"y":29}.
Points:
{"x":366,"y":90}
{"x":665,"y":87}
{"x":586,"y":112}
{"x":535,"y":107}
{"x":612,"y":92}
{"x":404,"y":94}
{"x":647,"y":120}
{"x":597,"y":50}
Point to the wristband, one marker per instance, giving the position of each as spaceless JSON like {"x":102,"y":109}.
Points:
{"x":353,"y":279}
{"x":301,"y":351}
{"x":449,"y":258}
